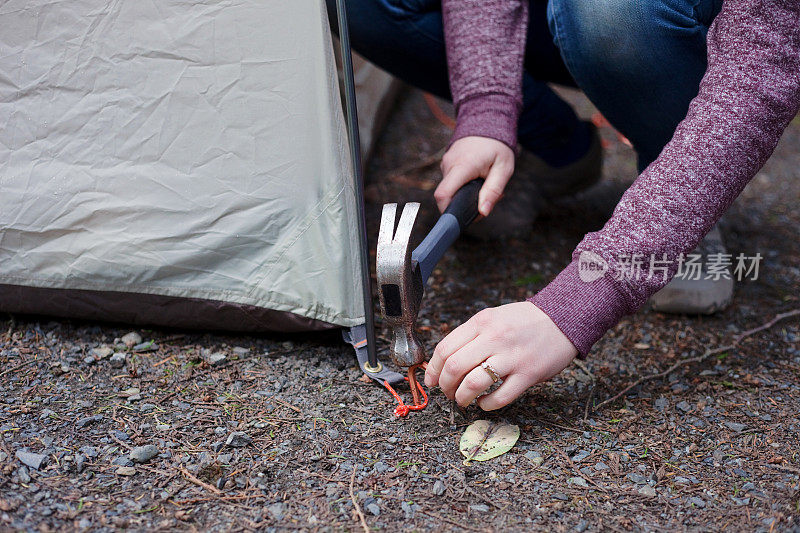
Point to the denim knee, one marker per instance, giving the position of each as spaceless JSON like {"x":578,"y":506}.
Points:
{"x":410,"y":8}
{"x":639,"y":61}
{"x":625,"y":35}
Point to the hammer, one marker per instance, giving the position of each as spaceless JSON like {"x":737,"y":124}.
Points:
{"x":402,"y":274}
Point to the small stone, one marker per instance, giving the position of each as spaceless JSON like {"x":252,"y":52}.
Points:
{"x":215,"y":358}
{"x":121,"y":435}
{"x":374,"y":509}
{"x":560,"y":496}
{"x":736,"y":426}
{"x":225,"y":458}
{"x":162,"y":427}
{"x":647,"y":491}
{"x":694,"y":501}
{"x":3,"y":456}
{"x":238,"y":350}
{"x":438,"y":488}
{"x":238,"y":439}
{"x":408,"y":510}
{"x":80,"y":463}
{"x":601,"y":466}
{"x":148,"y":346}
{"x":117,"y":360}
{"x":122,"y":460}
{"x":333,"y":433}
{"x":276,"y":510}
{"x":578,"y":482}
{"x":59,"y":367}
{"x":217,"y":446}
{"x":380,"y":467}
{"x":126,"y":471}
{"x":480,"y":507}
{"x":33,"y":460}
{"x":637,"y":478}
{"x":147,"y":407}
{"x":130,"y":393}
{"x":131,"y":339}
{"x":661,"y":403}
{"x":580,"y":456}
{"x":102,"y":352}
{"x":23,"y":476}
{"x":89,"y":359}
{"x":142,"y":454}
{"x":534,"y":457}
{"x":684,"y":406}
{"x":89,"y":451}
{"x":83,"y":422}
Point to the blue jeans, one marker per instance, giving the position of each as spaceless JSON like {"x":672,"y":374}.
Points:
{"x":639,"y":61}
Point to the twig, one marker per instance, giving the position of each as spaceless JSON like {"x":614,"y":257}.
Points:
{"x":11,"y":324}
{"x":355,"y":502}
{"x":736,"y":340}
{"x":580,"y":364}
{"x":778,"y":318}
{"x":287,"y":404}
{"x":14,"y":368}
{"x":188,"y":475}
{"x":784,"y":468}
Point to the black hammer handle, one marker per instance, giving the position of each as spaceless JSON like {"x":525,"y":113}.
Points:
{"x":463,"y":209}
{"x":464,"y":205}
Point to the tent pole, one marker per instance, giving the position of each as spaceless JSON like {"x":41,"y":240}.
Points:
{"x":355,"y":156}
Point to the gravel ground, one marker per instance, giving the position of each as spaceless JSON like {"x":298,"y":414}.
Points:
{"x":105,"y":428}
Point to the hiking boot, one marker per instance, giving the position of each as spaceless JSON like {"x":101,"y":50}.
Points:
{"x":532,"y":182}
{"x":703,"y":290}
{"x":566,"y":180}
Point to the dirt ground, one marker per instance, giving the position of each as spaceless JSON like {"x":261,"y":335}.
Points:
{"x":278,"y":432}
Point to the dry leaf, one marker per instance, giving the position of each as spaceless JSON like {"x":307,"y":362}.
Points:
{"x":484,"y":440}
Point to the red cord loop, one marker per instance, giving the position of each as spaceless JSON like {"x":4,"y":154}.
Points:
{"x":418,"y":395}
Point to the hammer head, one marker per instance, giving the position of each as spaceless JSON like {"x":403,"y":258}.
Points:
{"x":399,"y":284}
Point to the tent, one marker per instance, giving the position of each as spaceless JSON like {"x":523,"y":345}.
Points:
{"x":176,"y":163}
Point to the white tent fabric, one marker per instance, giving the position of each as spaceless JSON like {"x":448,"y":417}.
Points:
{"x":184,"y":149}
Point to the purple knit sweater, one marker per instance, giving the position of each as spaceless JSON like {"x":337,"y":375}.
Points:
{"x":750,"y":92}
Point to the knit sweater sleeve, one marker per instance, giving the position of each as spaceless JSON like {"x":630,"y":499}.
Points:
{"x":485,"y":41}
{"x":749,"y":94}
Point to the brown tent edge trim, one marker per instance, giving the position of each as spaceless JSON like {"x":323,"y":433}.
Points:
{"x":153,"y":310}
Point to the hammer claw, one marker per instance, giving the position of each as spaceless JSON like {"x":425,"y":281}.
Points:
{"x":386,"y":232}
{"x":402,"y":234}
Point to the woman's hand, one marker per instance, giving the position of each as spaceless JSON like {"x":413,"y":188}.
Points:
{"x":520,"y":343}
{"x":475,"y":157}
